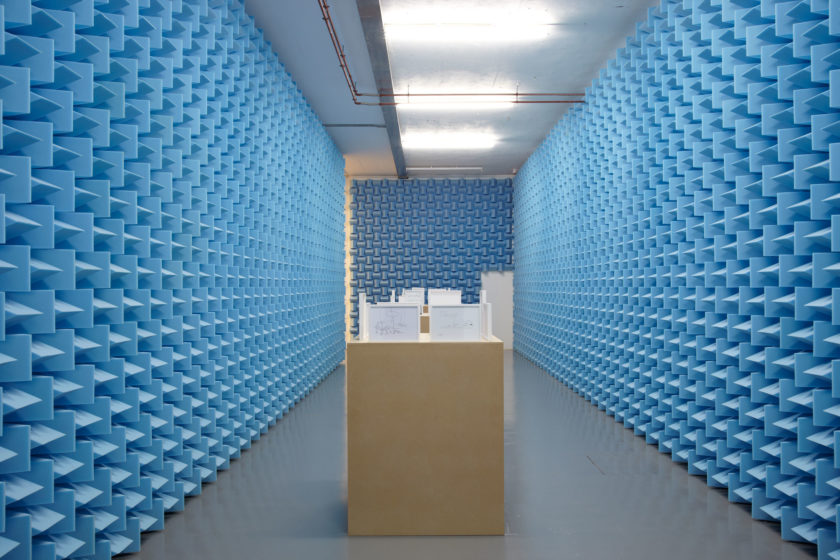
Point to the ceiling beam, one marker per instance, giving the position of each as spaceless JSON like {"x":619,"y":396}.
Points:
{"x":371,"y":17}
{"x":353,"y":125}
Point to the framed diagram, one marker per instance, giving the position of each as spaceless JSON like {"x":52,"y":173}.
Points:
{"x":393,"y":321}
{"x":455,"y":322}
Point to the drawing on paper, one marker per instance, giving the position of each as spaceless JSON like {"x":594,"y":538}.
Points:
{"x":393,"y":322}
{"x":390,"y":323}
{"x":455,"y":322}
{"x":452,"y":319}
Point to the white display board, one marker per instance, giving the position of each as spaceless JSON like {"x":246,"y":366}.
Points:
{"x":455,"y":322}
{"x":487,"y":321}
{"x":444,"y":297}
{"x":486,"y":316}
{"x":393,"y":321}
{"x":499,"y":287}
{"x":363,"y":323}
{"x":414,"y":295}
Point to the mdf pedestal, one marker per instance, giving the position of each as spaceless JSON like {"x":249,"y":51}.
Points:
{"x":425,"y":438}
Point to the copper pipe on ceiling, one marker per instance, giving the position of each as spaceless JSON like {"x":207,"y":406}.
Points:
{"x":515,"y":102}
{"x":512,"y":94}
{"x":339,"y":50}
{"x":355,"y":93}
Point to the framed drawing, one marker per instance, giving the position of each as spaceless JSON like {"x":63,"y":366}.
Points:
{"x":393,"y":321}
{"x":455,"y":322}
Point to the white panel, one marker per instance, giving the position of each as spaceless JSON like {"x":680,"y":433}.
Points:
{"x":394,"y":321}
{"x":363,"y":316}
{"x":486,"y":320}
{"x":499,"y":287}
{"x":444,"y":297}
{"x":413,"y":295}
{"x":455,"y":322}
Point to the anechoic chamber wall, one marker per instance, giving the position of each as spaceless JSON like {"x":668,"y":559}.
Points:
{"x":676,"y":250}
{"x":171,"y":261}
{"x":431,"y":233}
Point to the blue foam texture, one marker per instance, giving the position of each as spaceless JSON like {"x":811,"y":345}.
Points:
{"x":434,"y":233}
{"x":171,"y":262}
{"x":677,"y":248}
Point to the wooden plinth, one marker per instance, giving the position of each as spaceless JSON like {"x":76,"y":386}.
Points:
{"x":425,"y":441}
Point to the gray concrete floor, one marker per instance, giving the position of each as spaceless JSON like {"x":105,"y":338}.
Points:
{"x":578,"y":485}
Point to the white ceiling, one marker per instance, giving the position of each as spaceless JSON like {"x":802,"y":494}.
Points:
{"x":584,"y":36}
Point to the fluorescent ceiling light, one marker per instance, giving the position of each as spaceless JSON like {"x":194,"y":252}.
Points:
{"x":450,"y":24}
{"x":439,"y":169}
{"x":455,"y":102}
{"x":466,"y":33}
{"x":448,"y":140}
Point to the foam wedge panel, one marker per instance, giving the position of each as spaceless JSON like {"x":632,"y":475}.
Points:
{"x":171,"y":262}
{"x":677,"y":248}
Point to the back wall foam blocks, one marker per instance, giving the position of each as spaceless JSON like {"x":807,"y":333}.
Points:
{"x":678,"y":251}
{"x":434,"y":233}
{"x":171,"y":262}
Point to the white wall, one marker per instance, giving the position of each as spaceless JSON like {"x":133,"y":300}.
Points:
{"x":499,"y":286}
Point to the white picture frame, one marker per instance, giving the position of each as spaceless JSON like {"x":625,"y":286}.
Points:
{"x":393,"y":322}
{"x":455,"y":322}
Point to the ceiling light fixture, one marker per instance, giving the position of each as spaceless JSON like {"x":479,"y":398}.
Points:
{"x":466,"y":33}
{"x":455,"y":102}
{"x":434,"y":169}
{"x":449,"y":24}
{"x":448,"y":140}
{"x":388,"y":98}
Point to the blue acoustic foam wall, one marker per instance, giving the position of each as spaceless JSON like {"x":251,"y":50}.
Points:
{"x":171,"y":261}
{"x":433,"y":233}
{"x":678,"y":251}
